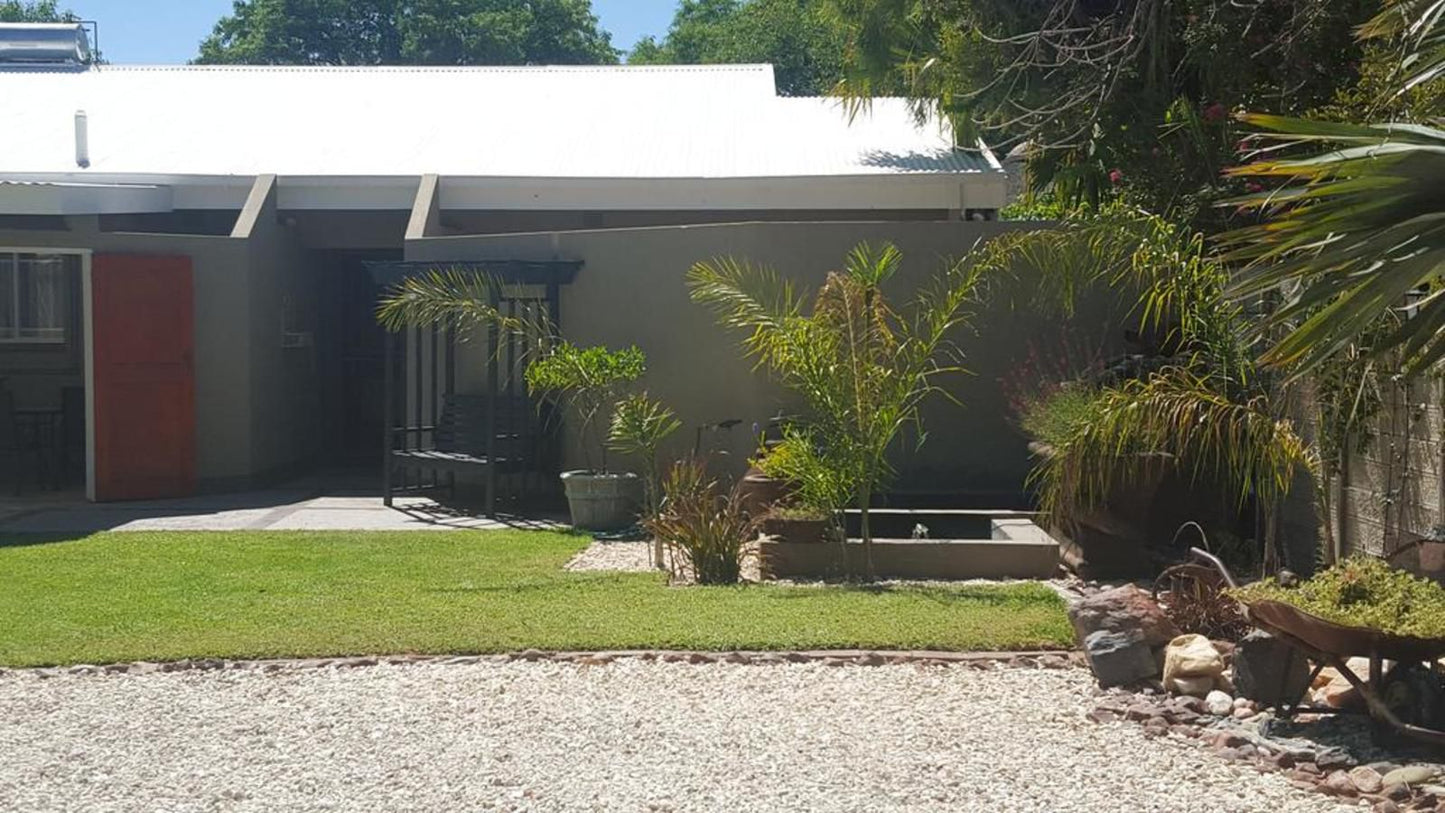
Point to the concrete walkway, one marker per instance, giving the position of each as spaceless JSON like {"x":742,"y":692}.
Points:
{"x":312,"y":504}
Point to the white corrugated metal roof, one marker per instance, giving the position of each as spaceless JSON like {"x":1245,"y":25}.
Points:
{"x":546,"y":122}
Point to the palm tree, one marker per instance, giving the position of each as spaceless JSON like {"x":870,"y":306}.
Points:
{"x":862,"y":367}
{"x":1356,"y":232}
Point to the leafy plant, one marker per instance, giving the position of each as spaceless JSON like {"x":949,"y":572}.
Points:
{"x":1204,"y":409}
{"x":1354,"y":219}
{"x":1362,"y":591}
{"x":862,"y":367}
{"x":639,"y":425}
{"x":589,"y":381}
{"x":1053,"y":417}
{"x":822,"y":487}
{"x":707,"y":528}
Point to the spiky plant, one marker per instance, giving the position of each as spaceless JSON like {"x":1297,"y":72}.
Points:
{"x":639,"y":426}
{"x":862,"y":367}
{"x":1354,"y":221}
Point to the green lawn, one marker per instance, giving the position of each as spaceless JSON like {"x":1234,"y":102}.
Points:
{"x":164,"y":596}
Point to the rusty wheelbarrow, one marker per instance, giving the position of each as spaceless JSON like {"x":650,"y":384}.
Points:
{"x":1331,"y":644}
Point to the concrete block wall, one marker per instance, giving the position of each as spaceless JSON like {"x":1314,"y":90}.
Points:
{"x":1391,"y":492}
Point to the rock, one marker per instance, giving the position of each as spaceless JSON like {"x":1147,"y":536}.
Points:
{"x":1366,"y":779}
{"x":1156,"y":726}
{"x":1189,"y":656}
{"x":1333,"y":759}
{"x":1268,"y":670}
{"x":1336,"y":692}
{"x":1231,"y":754}
{"x":1283,"y":760}
{"x":1243,"y":713}
{"x":1339,"y":784}
{"x":1125,"y":609}
{"x":1386,"y":806}
{"x":1118,"y":658}
{"x":1409,"y":775}
{"x":1398,"y":792}
{"x":1194,"y":686}
{"x":1218,"y":703}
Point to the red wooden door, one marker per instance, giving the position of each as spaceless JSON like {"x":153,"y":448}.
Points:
{"x":144,"y":378}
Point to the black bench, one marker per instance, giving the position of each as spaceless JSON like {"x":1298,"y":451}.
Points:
{"x":468,"y":436}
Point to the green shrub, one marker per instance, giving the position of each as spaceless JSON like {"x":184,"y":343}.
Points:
{"x":821,"y":487}
{"x":1053,"y":417}
{"x":1363,"y":592}
{"x":588,"y":381}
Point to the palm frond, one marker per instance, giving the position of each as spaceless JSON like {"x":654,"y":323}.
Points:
{"x":1355,"y":232}
{"x":1174,"y":419}
{"x":1419,"y":27}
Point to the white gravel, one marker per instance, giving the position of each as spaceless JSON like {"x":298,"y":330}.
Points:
{"x":627,"y":556}
{"x":627,"y":736}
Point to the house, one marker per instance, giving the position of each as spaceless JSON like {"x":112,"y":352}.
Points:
{"x":189,"y":255}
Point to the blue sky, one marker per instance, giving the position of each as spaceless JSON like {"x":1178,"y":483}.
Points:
{"x":167,"y":31}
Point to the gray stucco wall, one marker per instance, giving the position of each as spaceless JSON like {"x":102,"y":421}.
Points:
{"x":285,"y":392}
{"x":257,"y":405}
{"x":222,"y":316}
{"x":631,"y":290}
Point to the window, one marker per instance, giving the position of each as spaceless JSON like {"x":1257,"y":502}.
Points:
{"x":35,"y":297}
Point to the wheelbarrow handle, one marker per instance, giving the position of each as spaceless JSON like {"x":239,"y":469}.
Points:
{"x":1206,"y":556}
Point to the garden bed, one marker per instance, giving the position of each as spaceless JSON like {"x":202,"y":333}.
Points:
{"x":1016,"y":549}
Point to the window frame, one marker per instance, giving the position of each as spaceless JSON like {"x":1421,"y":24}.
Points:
{"x":73,"y":309}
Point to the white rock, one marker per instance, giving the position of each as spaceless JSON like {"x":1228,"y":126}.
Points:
{"x":1218,"y":703}
{"x":1191,"y":656}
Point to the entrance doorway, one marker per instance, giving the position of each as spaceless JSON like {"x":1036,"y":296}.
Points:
{"x":352,"y":353}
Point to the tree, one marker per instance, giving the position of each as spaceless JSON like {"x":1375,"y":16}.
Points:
{"x":802,"y":41}
{"x":862,"y":367}
{"x":409,"y":32}
{"x":39,"y":11}
{"x":1127,"y":98}
{"x":1354,"y":227}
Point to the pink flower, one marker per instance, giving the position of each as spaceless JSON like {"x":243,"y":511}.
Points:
{"x":1115,"y":176}
{"x":1215,"y":112}
{"x":1253,"y":186}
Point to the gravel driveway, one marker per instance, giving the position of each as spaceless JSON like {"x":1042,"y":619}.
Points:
{"x":626,"y":736}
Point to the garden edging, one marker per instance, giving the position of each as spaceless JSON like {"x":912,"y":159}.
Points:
{"x":1038,"y":659}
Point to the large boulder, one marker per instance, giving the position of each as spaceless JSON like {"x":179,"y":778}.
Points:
{"x":1270,"y":671}
{"x":1119,"y":658}
{"x":1125,"y":609}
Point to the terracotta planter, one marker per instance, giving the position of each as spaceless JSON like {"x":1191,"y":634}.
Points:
{"x":785,"y":529}
{"x":602,"y":502}
{"x":759,"y":492}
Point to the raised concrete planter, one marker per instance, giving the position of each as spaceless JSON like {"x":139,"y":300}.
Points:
{"x":1018,"y":549}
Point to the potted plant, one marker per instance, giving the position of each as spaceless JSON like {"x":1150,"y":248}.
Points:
{"x":816,"y":489}
{"x":588,"y":382}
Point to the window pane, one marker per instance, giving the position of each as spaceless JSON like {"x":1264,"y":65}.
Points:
{"x":8,"y":302}
{"x":43,"y":309}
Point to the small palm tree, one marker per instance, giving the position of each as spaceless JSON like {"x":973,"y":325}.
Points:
{"x":862,"y":367}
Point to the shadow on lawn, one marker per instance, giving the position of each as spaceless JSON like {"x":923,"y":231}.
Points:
{"x":25,"y":540}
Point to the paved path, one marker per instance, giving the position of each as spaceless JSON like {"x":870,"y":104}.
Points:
{"x":629,"y":736}
{"x":307,"y":505}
